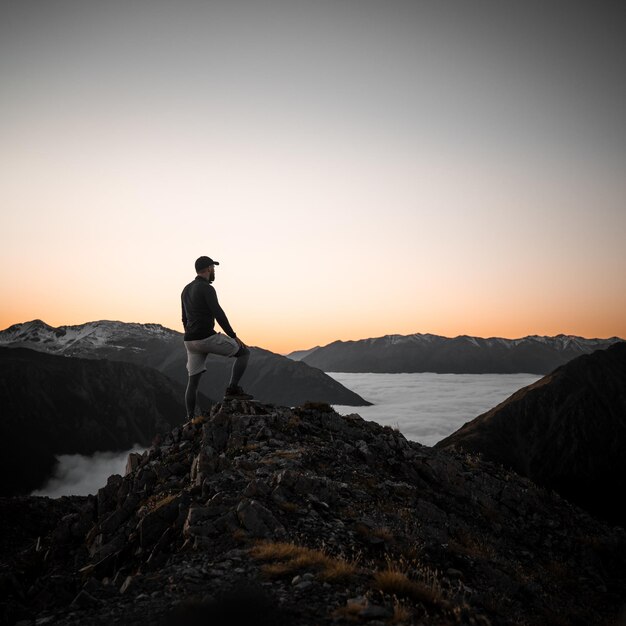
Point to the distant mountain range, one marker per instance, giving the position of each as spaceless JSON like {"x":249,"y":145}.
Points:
{"x":442,"y":355}
{"x":270,"y":377}
{"x":566,"y":432}
{"x":53,"y":405}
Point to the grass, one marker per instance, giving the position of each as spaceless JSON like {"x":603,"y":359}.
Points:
{"x":157,"y":501}
{"x":289,"y":558}
{"x":399,"y":584}
{"x":396,"y":582}
{"x":473,"y":546}
{"x":401,"y":613}
{"x":293,"y":422}
{"x":348,"y":613}
{"x":295,"y":453}
{"x":381,"y":532}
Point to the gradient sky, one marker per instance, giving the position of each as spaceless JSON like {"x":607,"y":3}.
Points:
{"x":359,"y":168}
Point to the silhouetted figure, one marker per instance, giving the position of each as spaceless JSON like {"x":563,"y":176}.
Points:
{"x":200,"y":310}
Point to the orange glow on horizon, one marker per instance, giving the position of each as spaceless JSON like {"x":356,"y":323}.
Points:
{"x":391,"y":172}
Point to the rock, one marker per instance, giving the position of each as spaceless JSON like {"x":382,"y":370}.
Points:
{"x":257,"y":519}
{"x":154,"y":524}
{"x":134,"y":459}
{"x":85,"y":600}
{"x":127,"y":584}
{"x":374,"y":611}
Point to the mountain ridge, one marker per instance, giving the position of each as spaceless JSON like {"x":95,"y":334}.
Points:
{"x":270,"y":377}
{"x":54,"y":405}
{"x":566,"y":432}
{"x":464,"y":354}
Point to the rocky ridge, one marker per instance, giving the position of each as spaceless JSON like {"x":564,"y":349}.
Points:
{"x":305,"y":517}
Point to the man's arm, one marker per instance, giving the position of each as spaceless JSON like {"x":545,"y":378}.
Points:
{"x":218,"y":313}
{"x":184,"y":315}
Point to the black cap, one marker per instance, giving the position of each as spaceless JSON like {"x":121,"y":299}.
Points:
{"x":203,"y":262}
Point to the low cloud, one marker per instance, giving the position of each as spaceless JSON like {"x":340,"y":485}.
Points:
{"x":79,"y":475}
{"x":428,"y":407}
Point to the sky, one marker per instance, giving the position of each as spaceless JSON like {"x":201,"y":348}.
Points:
{"x":358,"y":168}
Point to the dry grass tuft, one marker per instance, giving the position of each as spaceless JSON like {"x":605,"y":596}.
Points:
{"x":293,"y":422}
{"x":399,"y":584}
{"x":396,"y":582}
{"x":156,"y":501}
{"x":295,"y":453}
{"x":240,"y":535}
{"x":164,"y":501}
{"x":473,"y":546}
{"x":380,"y":532}
{"x":288,"y":558}
{"x":348,"y":613}
{"x":401,"y":613}
{"x":336,"y":570}
{"x":269,"y":550}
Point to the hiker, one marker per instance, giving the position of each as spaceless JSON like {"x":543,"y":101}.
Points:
{"x":200,"y":310}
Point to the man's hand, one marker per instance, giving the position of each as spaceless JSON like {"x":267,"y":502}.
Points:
{"x":241,"y":343}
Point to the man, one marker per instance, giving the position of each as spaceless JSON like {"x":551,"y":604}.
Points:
{"x":200,"y":311}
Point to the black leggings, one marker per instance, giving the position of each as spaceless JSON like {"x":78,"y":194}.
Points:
{"x":239,"y":367}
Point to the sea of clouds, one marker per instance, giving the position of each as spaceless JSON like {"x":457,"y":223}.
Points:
{"x":428,"y":407}
{"x":79,"y":475}
{"x":424,"y":407}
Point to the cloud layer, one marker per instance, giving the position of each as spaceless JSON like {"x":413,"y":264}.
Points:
{"x":428,"y":407}
{"x":79,"y":475}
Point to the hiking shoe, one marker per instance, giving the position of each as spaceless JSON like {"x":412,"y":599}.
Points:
{"x":236,"y":393}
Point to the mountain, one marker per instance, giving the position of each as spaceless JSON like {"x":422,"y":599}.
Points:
{"x":269,"y":377}
{"x":53,"y":405}
{"x":266,"y":515}
{"x":298,"y":355}
{"x":566,"y":432}
{"x":460,"y":355}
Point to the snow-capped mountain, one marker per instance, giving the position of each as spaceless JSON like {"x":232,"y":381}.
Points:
{"x":270,"y":377}
{"x":459,"y":355}
{"x":81,"y":338}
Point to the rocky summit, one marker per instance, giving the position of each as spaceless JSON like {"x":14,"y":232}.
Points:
{"x":260,"y":514}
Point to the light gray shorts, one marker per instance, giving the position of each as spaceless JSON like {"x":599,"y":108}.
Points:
{"x":198,"y":349}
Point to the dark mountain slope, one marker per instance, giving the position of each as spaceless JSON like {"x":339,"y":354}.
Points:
{"x":269,"y":377}
{"x":57,"y":405}
{"x":567,"y":432}
{"x":307,"y":518}
{"x":458,"y":355}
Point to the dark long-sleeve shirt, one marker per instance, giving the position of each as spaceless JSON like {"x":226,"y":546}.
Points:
{"x":201,"y":309}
